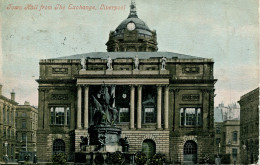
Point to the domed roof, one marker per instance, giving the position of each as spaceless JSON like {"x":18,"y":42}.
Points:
{"x":140,"y":25}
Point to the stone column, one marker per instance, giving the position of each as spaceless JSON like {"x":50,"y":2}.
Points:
{"x":86,"y":107}
{"x":166,"y":107}
{"x":139,"y":107}
{"x":132,"y":107}
{"x":159,"y":107}
{"x":79,"y":108}
{"x":14,"y":116}
{"x":1,"y":114}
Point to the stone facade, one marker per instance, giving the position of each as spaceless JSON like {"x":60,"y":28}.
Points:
{"x":26,"y":126}
{"x":166,"y":107}
{"x":249,"y":126}
{"x":227,"y":132}
{"x":7,"y":126}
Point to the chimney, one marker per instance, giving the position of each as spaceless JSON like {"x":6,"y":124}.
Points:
{"x":1,"y":89}
{"x":13,"y":95}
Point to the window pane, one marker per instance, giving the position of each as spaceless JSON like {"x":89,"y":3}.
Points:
{"x":124,"y":115}
{"x":59,"y":115}
{"x":190,"y":116}
{"x":149,"y":115}
{"x":182,"y":116}
{"x":68,"y":115}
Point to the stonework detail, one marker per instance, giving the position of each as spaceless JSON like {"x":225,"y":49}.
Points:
{"x":191,"y":70}
{"x":59,"y":70}
{"x":59,"y":97}
{"x":190,"y":97}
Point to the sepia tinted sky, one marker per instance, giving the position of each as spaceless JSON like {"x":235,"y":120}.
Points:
{"x":225,"y":30}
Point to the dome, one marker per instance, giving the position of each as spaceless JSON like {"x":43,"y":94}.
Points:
{"x":140,"y":26}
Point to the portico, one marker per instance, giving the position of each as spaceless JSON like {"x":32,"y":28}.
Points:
{"x":160,"y":81}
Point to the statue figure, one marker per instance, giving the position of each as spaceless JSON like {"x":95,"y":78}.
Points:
{"x":136,"y":61}
{"x":105,"y":110}
{"x":83,"y":143}
{"x":83,"y":63}
{"x":109,"y":63}
{"x":163,"y":63}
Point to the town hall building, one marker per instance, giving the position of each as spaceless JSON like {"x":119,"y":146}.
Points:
{"x":164,"y":101}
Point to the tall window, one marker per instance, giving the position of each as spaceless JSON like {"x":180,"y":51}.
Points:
{"x":124,"y":115}
{"x":217,"y":141}
{"x":234,"y":136}
{"x":149,"y":115}
{"x":7,"y":117}
{"x":4,"y":115}
{"x":218,"y":130}
{"x":190,"y":116}
{"x":234,"y":152}
{"x":58,"y":146}
{"x":23,"y":114}
{"x":23,"y":137}
{"x":58,"y":115}
{"x":149,"y":148}
{"x":24,"y":124}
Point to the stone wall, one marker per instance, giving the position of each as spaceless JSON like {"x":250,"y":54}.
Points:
{"x":136,"y":138}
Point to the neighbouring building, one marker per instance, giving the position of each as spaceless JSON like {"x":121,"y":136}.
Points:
{"x":249,"y":127}
{"x":26,"y":126}
{"x":227,"y":132}
{"x":165,"y":100}
{"x":7,"y":126}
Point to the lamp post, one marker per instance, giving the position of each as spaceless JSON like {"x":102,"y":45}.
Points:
{"x":244,"y":147}
{"x":6,"y":155}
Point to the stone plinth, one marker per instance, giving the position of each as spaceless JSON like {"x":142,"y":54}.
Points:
{"x":109,"y":135}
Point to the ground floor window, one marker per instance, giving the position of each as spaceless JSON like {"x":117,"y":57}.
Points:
{"x":149,"y":148}
{"x":234,"y":153}
{"x":190,"y":116}
{"x":58,"y":146}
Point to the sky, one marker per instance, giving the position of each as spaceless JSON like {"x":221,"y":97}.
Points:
{"x":224,"y":30}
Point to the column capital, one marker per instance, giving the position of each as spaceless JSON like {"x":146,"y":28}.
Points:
{"x":175,"y":90}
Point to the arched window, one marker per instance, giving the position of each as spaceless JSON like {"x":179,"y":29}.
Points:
{"x":149,"y":148}
{"x":58,"y":146}
{"x":190,"y":152}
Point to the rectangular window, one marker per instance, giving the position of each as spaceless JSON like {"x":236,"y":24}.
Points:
{"x":58,"y":115}
{"x":234,"y":136}
{"x":234,"y":152}
{"x":24,"y":124}
{"x":217,"y":141}
{"x":23,"y":114}
{"x":7,"y":117}
{"x":190,"y":117}
{"x":149,"y":115}
{"x":23,"y":137}
{"x":124,"y":115}
{"x":4,"y":115}
{"x":217,"y":130}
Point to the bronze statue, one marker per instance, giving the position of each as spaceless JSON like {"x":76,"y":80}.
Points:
{"x":105,"y":110}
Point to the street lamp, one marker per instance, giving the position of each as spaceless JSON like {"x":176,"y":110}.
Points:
{"x":6,"y":155}
{"x":245,"y":148}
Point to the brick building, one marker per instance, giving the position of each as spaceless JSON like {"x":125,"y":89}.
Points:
{"x":249,"y":126}
{"x":165,"y":100}
{"x":7,"y":126}
{"x":26,"y":125}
